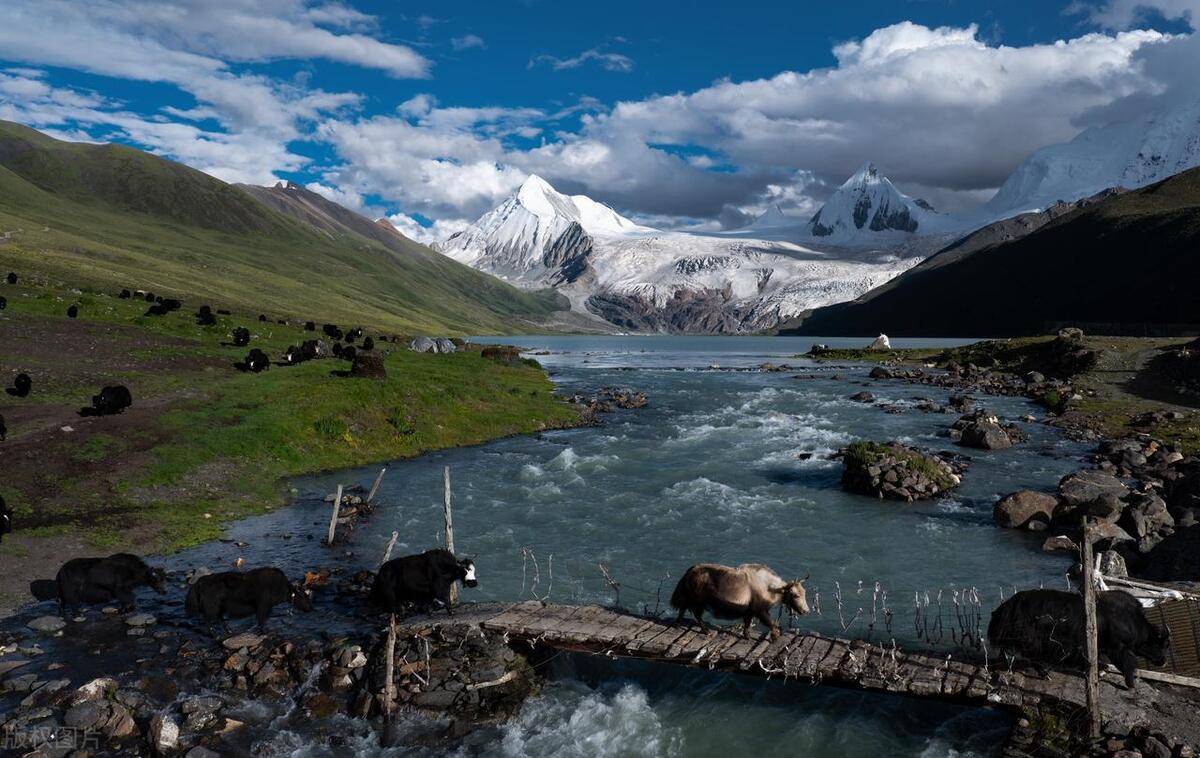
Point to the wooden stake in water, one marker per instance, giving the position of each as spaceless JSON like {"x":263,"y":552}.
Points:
{"x":387,"y":554}
{"x":389,"y":687}
{"x":1093,"y":653}
{"x":337,"y":506}
{"x":375,"y":486}
{"x":449,"y":529}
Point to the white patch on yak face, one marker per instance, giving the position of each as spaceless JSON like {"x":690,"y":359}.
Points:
{"x":469,"y":579}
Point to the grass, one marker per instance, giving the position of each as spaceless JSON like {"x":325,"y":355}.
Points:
{"x":864,"y":453}
{"x":205,"y":444}
{"x":108,"y":217}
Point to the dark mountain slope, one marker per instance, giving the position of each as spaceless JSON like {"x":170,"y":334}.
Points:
{"x":1126,"y":260}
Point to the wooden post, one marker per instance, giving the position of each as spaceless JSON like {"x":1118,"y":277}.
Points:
{"x":375,"y":486}
{"x":337,"y":506}
{"x":449,"y":529}
{"x":387,"y":554}
{"x":389,"y":687}
{"x":1093,"y":654}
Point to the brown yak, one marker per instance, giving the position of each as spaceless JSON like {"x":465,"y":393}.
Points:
{"x":749,"y":591}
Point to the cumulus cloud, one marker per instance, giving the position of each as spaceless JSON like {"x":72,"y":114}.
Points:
{"x":945,"y":114}
{"x":466,"y":42}
{"x":609,"y":61}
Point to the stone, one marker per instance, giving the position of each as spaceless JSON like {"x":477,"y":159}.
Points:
{"x":1017,"y":510}
{"x":97,"y":689}
{"x":45,"y":694}
{"x":1112,"y":563}
{"x":881,"y":343}
{"x":986,"y":436}
{"x":87,"y":716}
{"x":140,"y":619}
{"x":247,"y":640}
{"x":880,"y":372}
{"x":164,"y":735}
{"x":1060,"y":544}
{"x":863,"y":397}
{"x":120,"y":724}
{"x":47,"y":624}
{"x":1084,"y":487}
{"x":201,"y":752}
{"x":1108,"y":506}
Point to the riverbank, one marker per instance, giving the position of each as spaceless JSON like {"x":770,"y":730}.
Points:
{"x":204,"y":444}
{"x":1118,"y":386}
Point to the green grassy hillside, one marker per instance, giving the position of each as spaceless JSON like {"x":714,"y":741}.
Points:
{"x":111,"y":216}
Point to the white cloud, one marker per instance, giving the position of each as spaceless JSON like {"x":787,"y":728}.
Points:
{"x":467,"y":41}
{"x":427,"y":235}
{"x":609,"y":61}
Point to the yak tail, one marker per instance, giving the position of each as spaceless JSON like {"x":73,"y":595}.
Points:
{"x":44,"y":589}
{"x":681,"y":597}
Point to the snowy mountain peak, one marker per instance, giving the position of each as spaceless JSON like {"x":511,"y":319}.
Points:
{"x":772,"y":218}
{"x":1128,"y":154}
{"x":538,"y":235}
{"x":867,"y":205}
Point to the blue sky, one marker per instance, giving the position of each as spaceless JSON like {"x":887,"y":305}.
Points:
{"x":677,"y":114}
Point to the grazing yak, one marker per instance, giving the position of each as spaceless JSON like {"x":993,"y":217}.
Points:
{"x":12,"y":278}
{"x":368,"y":344}
{"x":262,"y":317}
{"x":149,"y":297}
{"x":241,"y":336}
{"x":1046,"y":627}
{"x":72,"y":311}
{"x":6,"y":520}
{"x":747,"y":592}
{"x":332,"y":331}
{"x":125,"y":294}
{"x":110,"y":401}
{"x":421,"y":580}
{"x":100,"y":580}
{"x":310,"y":326}
{"x":205,"y":316}
{"x":256,"y":362}
{"x":348,"y":353}
{"x":237,"y":594}
{"x":21,"y":386}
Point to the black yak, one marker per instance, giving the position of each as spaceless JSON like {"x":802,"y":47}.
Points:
{"x":332,"y":331}
{"x":1046,"y":627}
{"x":3,"y":302}
{"x":149,"y":297}
{"x":125,"y":294}
{"x":100,"y":580}
{"x":11,"y":278}
{"x":6,"y":520}
{"x":422,"y":580}
{"x":348,"y":353}
{"x":21,"y":386}
{"x":170,"y":303}
{"x":310,"y":326}
{"x":110,"y":401}
{"x":205,"y":316}
{"x":747,"y":592}
{"x":256,"y":361}
{"x":156,"y":310}
{"x":241,"y":336}
{"x":368,"y":344}
{"x":237,"y":594}
{"x":337,"y":350}
{"x":72,"y":311}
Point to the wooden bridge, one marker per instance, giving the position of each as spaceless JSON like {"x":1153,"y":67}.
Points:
{"x":797,"y":655}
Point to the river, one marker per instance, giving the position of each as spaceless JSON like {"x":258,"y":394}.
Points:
{"x":717,"y":468}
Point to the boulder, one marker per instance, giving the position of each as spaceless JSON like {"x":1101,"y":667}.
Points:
{"x":881,"y":343}
{"x":164,"y":735}
{"x":140,"y":619}
{"x":47,"y":624}
{"x":986,"y":436}
{"x":1060,"y":543}
{"x":1084,"y":487}
{"x":863,"y":397}
{"x":244,"y":640}
{"x":1017,"y":510}
{"x":1112,"y":563}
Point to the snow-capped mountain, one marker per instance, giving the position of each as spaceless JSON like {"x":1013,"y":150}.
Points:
{"x":772,"y":218}
{"x":1128,"y":154}
{"x":642,"y":278}
{"x":538,"y":236}
{"x":868,"y":207}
